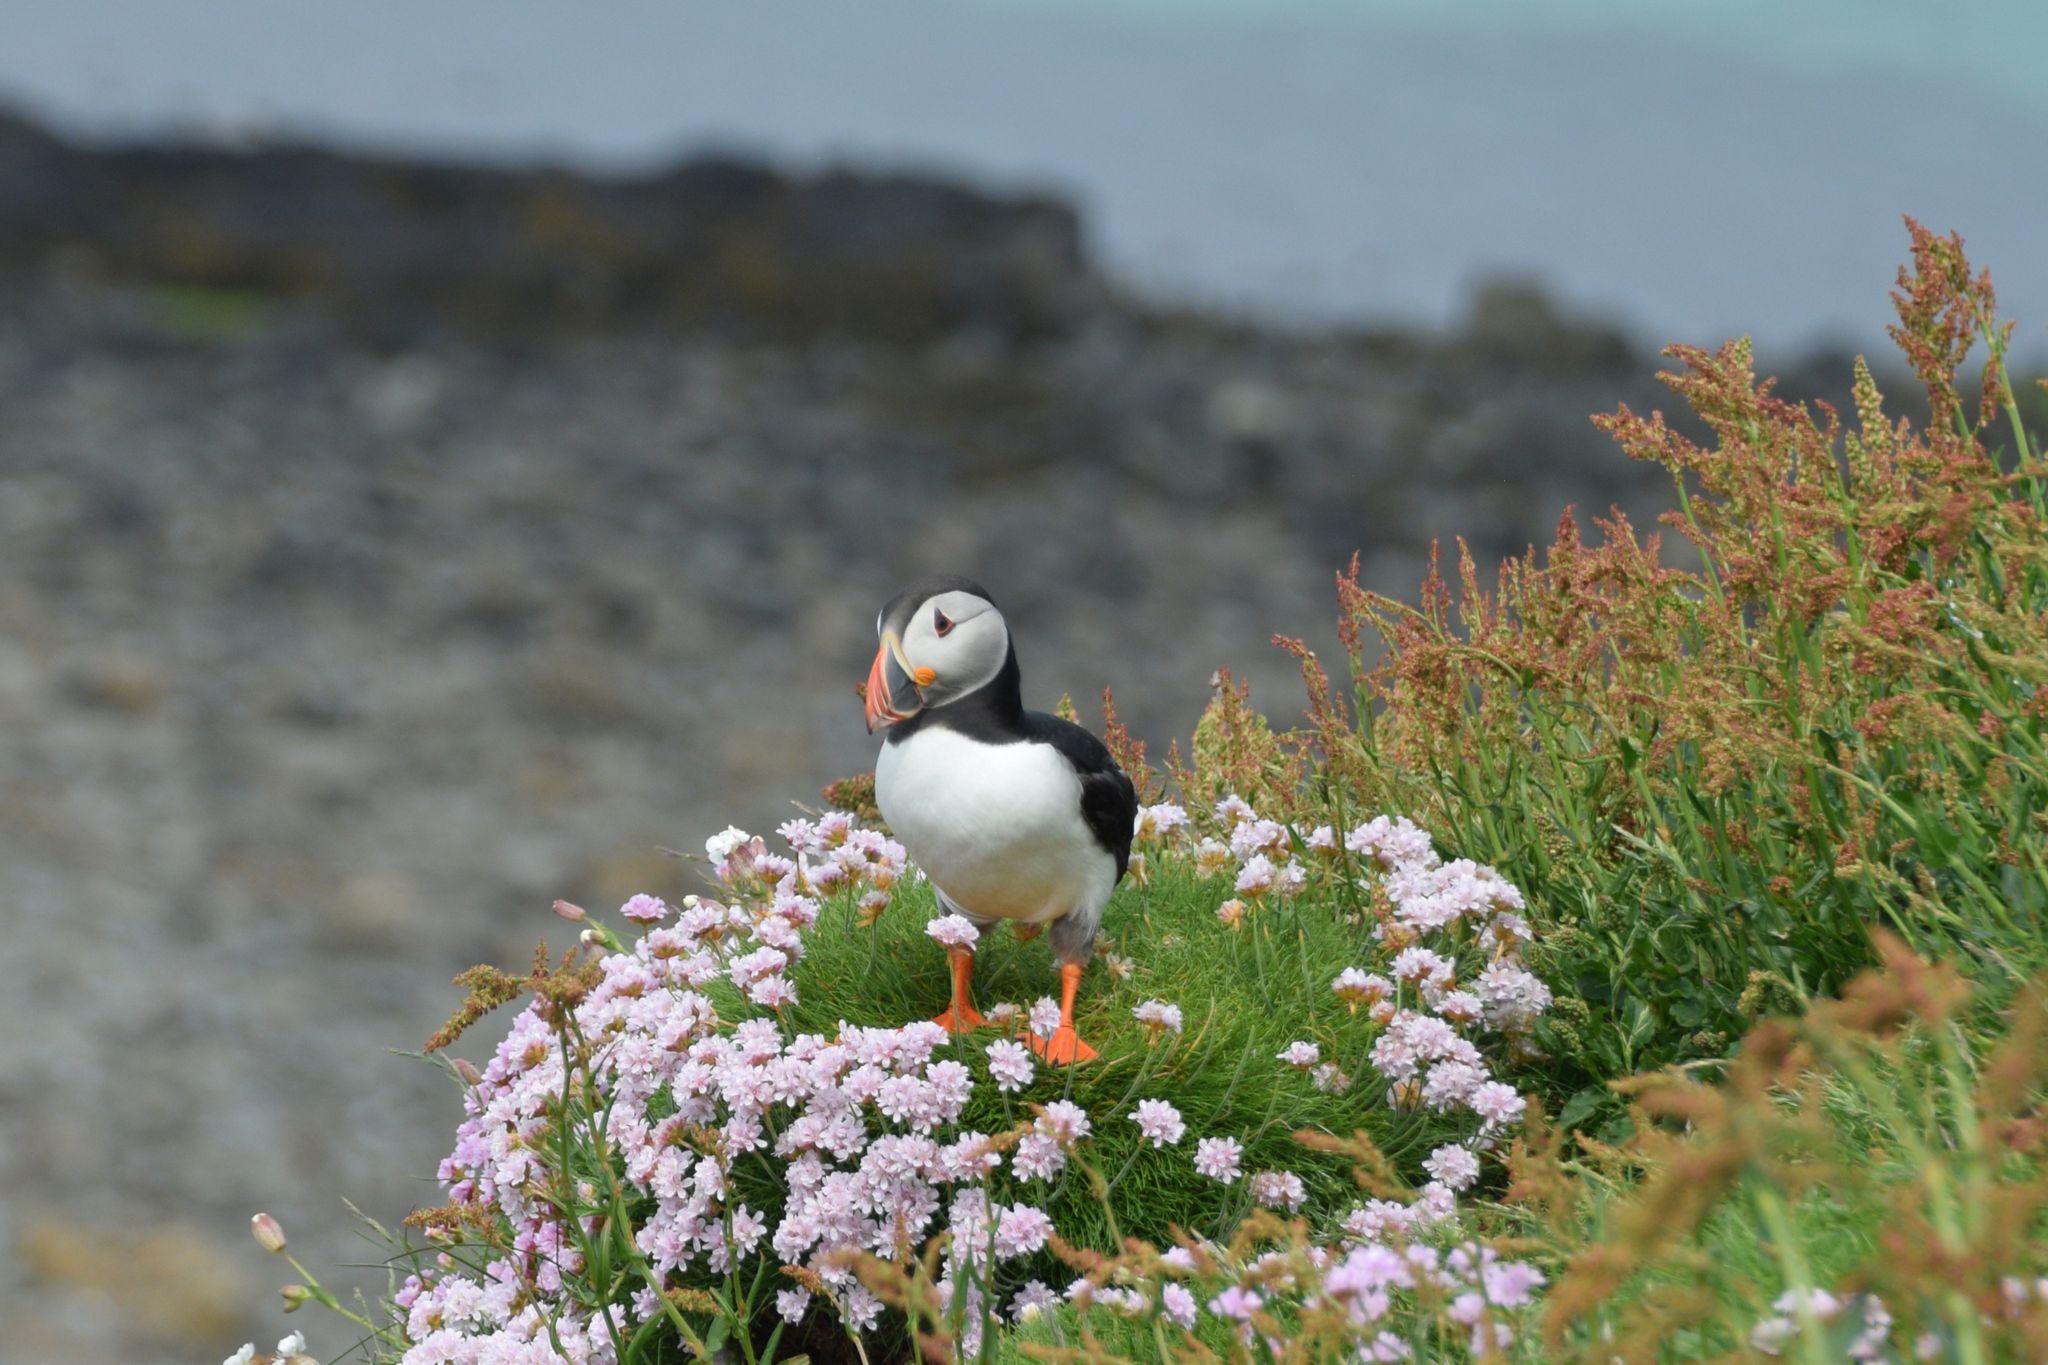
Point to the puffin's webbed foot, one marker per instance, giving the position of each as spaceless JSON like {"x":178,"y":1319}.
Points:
{"x":1065,"y":1045}
{"x":960,"y":1018}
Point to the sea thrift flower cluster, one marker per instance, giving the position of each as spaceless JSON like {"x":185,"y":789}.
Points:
{"x":677,"y":1075}
{"x":680,"y":1095}
{"x":1874,"y":1322}
{"x":1447,"y":985}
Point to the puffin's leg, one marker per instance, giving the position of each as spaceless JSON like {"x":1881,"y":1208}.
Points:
{"x":961,"y":1016}
{"x":1073,"y":938}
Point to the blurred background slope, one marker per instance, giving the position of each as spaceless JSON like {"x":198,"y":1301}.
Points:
{"x":447,"y":458}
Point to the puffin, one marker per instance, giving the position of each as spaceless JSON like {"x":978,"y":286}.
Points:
{"x":1013,"y":815}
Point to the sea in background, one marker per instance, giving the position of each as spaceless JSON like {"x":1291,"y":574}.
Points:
{"x":1690,"y":170}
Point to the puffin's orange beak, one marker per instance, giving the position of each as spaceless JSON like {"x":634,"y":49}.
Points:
{"x":893,"y":691}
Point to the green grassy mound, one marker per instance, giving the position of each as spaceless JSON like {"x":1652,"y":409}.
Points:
{"x":1245,"y":994}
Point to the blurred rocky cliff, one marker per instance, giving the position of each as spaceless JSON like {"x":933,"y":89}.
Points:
{"x":387,"y":549}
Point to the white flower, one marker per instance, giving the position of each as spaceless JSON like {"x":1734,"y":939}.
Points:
{"x":721,"y":844}
{"x":243,"y":1356}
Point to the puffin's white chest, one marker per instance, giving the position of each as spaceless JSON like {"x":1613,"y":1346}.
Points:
{"x":997,"y":827}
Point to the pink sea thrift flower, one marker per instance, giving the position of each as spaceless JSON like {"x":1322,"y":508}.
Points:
{"x":1021,"y":1230}
{"x":1257,"y":836}
{"x":1300,"y":1054}
{"x":954,"y":931}
{"x":1211,"y":857}
{"x":1454,"y":1165}
{"x":1157,"y":821}
{"x":1219,"y":1158}
{"x":1038,"y":1156}
{"x":1232,"y":810}
{"x":1032,"y":1301}
{"x":1355,"y":987}
{"x":1158,"y":1016}
{"x":1257,"y":876}
{"x":645,"y":909}
{"x":1159,"y":1122}
{"x":772,"y":992}
{"x":1236,"y":1303}
{"x":1010,"y":1064}
{"x":1279,"y":1190}
{"x":1498,"y":1103}
{"x":1066,"y":1121}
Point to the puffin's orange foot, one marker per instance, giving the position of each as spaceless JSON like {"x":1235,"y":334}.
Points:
{"x":960,"y":1019}
{"x":1065,"y":1046}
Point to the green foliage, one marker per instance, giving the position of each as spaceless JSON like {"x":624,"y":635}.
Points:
{"x":1875,"y":1147}
{"x":1245,"y":993}
{"x":1713,"y":783}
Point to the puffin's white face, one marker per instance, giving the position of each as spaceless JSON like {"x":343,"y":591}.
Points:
{"x":933,"y":650}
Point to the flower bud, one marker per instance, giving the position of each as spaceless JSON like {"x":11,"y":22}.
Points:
{"x":296,"y":1296}
{"x":466,"y":1069}
{"x":267,"y":1232}
{"x":575,"y":914}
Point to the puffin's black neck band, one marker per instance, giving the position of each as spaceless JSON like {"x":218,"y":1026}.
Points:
{"x":992,"y":713}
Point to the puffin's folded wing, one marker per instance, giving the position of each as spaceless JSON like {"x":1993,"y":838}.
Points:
{"x":1109,"y":803}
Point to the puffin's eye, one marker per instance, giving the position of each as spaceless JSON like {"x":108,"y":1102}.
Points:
{"x":941,"y":623}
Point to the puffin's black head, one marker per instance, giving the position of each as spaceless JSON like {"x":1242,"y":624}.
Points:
{"x":941,"y":638}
